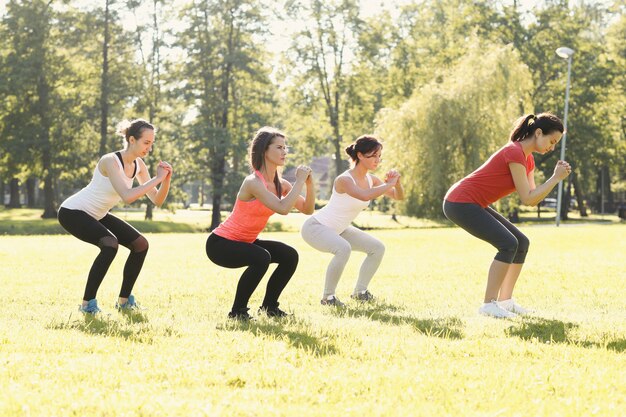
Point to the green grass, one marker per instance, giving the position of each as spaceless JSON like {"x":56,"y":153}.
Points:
{"x":421,"y":350}
{"x":28,"y":221}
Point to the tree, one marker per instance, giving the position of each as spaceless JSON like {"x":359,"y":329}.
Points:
{"x":222,"y":48}
{"x":448,"y":128}
{"x":322,"y":50}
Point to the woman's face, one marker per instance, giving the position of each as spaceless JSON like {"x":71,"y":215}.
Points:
{"x":276,"y":152}
{"x":546,"y":143}
{"x":371,"y":160}
{"x":142,"y":146}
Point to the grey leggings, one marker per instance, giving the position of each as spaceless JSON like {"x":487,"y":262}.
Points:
{"x":489,"y":225}
{"x":325,"y":239}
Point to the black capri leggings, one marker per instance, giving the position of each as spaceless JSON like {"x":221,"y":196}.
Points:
{"x":257,"y":256}
{"x":489,"y":225}
{"x":105,"y":234}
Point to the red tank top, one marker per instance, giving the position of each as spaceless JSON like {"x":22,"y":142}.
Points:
{"x":493,"y":180}
{"x":247,"y":219}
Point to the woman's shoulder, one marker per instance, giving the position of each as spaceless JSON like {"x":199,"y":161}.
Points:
{"x":251,"y":180}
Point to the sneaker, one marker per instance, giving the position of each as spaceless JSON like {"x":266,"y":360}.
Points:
{"x":241,"y":314}
{"x":273,"y":311}
{"x":364,"y":296}
{"x":513,"y":307}
{"x":90,"y":308}
{"x":332,"y":301}
{"x":129,"y":305}
{"x":492,"y":309}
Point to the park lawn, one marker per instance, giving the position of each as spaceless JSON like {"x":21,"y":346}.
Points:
{"x":421,"y":350}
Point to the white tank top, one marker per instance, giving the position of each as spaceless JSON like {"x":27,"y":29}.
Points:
{"x":342,"y":209}
{"x":99,"y":196}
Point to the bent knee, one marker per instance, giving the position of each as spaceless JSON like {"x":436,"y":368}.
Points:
{"x":140,"y":244}
{"x":262,"y":258}
{"x":343,"y":249}
{"x":108,"y":242}
{"x":523,"y":243}
{"x":378,"y":248}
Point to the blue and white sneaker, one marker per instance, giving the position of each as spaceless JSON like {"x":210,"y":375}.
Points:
{"x":129,"y":305}
{"x":90,"y":308}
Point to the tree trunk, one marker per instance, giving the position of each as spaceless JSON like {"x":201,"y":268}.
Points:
{"x":2,"y":191}
{"x":334,"y":121}
{"x":155,"y":89}
{"x":50,"y":211}
{"x":30,"y":192}
{"x":578,"y":192}
{"x":217,"y":180}
{"x":104,"y":83}
{"x":604,"y":194}
{"x":14,"y":194}
{"x":218,"y":165}
{"x":43,"y":105}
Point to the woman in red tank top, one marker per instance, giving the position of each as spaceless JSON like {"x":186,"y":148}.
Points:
{"x":235,"y":243}
{"x":509,"y":169}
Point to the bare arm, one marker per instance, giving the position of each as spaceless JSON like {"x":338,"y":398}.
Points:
{"x":156,"y":196}
{"x":254,"y":188}
{"x":109,"y":168}
{"x":306,"y":204}
{"x":346,"y":185}
{"x":530,"y":194}
{"x":397,"y":192}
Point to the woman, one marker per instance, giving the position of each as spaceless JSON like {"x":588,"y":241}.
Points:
{"x":235,"y":242}
{"x":330,"y":230}
{"x":509,"y":169}
{"x":86,"y":213}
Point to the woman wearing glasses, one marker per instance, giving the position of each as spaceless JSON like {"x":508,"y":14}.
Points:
{"x":235,"y":243}
{"x":330,"y":230}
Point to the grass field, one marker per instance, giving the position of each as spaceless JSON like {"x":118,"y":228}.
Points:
{"x":421,"y":350}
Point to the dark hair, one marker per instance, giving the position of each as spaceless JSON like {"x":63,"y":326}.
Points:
{"x":365,"y":144}
{"x":262,"y":140}
{"x":133,"y":128}
{"x":526,"y":125}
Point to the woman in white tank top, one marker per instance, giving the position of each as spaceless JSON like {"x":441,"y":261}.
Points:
{"x":86,"y":213}
{"x":330,"y":230}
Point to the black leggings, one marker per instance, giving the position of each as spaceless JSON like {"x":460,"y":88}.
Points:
{"x":105,"y":234}
{"x":489,"y":225}
{"x":257,"y":256}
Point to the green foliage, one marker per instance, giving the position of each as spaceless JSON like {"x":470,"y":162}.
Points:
{"x":449,"y":127}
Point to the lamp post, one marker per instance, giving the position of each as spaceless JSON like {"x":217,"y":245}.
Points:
{"x":565,"y":53}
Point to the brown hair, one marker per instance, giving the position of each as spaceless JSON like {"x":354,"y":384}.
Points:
{"x":526,"y":125}
{"x":134,"y":128}
{"x":262,"y":140}
{"x":365,"y":144}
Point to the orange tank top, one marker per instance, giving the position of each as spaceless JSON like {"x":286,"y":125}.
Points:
{"x":247,"y":219}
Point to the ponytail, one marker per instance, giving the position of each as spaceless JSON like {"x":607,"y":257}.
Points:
{"x":525,"y":126}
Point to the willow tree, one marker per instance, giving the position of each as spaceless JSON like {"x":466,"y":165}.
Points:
{"x":448,"y":128}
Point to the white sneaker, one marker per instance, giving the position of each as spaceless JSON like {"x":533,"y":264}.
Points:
{"x":513,"y":307}
{"x":492,"y":309}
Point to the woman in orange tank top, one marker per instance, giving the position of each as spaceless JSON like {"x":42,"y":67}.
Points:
{"x":235,"y":243}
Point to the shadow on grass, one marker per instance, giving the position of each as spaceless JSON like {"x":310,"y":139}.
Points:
{"x":135,"y":326}
{"x":555,"y":331}
{"x":445,"y":328}
{"x":289,"y":329}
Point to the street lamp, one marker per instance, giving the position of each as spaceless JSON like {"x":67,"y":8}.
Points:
{"x":565,"y":53}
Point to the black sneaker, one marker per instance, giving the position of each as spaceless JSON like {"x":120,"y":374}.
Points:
{"x":241,"y":314}
{"x":273,"y":311}
{"x":364,"y":296}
